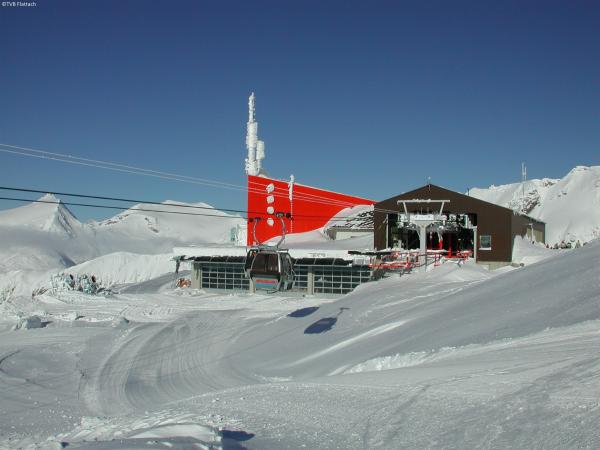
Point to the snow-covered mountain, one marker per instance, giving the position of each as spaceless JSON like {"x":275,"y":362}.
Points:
{"x":570,"y":206}
{"x":53,"y":217}
{"x":192,"y":223}
{"x":44,"y":236}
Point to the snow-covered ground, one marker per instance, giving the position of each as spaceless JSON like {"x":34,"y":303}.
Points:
{"x":570,"y":206}
{"x":42,"y":239}
{"x":458,"y":357}
{"x":455,"y":357}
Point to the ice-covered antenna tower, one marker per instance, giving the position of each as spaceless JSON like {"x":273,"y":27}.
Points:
{"x":523,"y":179}
{"x":256,"y":147}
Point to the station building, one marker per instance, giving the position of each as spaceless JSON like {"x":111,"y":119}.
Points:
{"x":485,"y":229}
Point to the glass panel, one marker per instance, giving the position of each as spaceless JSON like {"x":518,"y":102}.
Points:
{"x":273,"y":263}
{"x":485,"y":242}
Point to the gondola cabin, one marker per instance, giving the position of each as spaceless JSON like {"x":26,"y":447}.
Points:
{"x":270,"y":269}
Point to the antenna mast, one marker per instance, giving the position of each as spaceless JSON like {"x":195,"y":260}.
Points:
{"x":523,"y":179}
{"x":256,"y":147}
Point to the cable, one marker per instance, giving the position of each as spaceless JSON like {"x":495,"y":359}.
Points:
{"x":78,"y":160}
{"x":300,"y":196}
{"x":128,"y":200}
{"x":97,"y":197}
{"x":119,"y":207}
{"x":166,"y":175}
{"x":43,"y":154}
{"x":108,"y":163}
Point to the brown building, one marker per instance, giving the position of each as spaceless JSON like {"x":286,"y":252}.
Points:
{"x":485,"y":229}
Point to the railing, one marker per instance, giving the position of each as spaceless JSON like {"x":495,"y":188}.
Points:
{"x":405,"y":261}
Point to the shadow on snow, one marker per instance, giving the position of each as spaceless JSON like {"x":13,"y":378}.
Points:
{"x":303,"y":312}
{"x":323,"y":325}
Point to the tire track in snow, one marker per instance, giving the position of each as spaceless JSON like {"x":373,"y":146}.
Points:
{"x":159,"y":363}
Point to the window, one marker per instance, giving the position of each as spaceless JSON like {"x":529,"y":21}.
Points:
{"x":485,"y":242}
{"x":273,"y":263}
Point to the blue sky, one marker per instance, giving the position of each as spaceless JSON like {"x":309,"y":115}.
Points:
{"x":367,"y":98}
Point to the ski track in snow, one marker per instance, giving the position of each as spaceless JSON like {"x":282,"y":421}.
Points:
{"x":455,"y":358}
{"x":367,"y":334}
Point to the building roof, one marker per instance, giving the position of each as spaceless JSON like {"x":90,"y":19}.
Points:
{"x":362,"y":221}
{"x":407,"y":196}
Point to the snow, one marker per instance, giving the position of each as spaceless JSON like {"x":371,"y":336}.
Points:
{"x":52,"y":217}
{"x":455,"y":357}
{"x":569,"y":206}
{"x":42,"y":239}
{"x":356,"y":217}
{"x":123,"y":267}
{"x":300,"y":248}
{"x":29,"y":322}
{"x":144,"y":229}
{"x":526,"y":252}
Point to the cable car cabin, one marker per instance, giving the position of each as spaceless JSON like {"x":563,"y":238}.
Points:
{"x":269,"y":269}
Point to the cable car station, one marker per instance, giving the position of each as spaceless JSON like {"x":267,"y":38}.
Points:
{"x":412,"y":230}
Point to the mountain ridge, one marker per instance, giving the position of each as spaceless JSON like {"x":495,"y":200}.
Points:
{"x":569,"y":206}
{"x":46,"y":231}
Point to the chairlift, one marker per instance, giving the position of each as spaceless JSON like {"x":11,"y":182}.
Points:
{"x":269,"y":267}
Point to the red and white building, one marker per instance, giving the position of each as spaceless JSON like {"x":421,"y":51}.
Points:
{"x":304,"y":208}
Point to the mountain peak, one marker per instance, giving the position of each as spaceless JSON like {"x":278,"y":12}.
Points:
{"x":48,"y":213}
{"x":568,"y":205}
{"x":49,"y":198}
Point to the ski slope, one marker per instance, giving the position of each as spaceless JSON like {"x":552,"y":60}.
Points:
{"x":458,"y":357}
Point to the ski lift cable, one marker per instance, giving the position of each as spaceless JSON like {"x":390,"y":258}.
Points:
{"x":42,"y":154}
{"x":165,"y":175}
{"x":117,"y":169}
{"x":119,"y":207}
{"x":301,"y":196}
{"x":149,"y":202}
{"x":118,"y":165}
{"x":128,"y":200}
{"x":70,"y":159}
{"x":304,"y":195}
